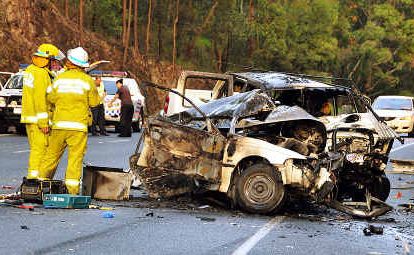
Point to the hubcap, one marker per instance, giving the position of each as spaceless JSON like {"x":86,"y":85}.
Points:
{"x":259,"y":189}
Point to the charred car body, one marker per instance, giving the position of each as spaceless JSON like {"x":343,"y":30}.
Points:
{"x":258,"y":152}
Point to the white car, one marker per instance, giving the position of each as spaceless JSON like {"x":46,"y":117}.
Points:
{"x":112,"y":114}
{"x":397,"y":112}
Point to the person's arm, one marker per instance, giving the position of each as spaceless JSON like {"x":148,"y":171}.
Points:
{"x":113,"y":99}
{"x":93,"y":95}
{"x":41,"y":83}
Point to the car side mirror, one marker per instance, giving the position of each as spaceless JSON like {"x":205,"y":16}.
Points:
{"x":352,"y":118}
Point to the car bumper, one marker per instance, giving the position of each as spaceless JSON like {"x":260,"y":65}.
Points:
{"x":10,"y":114}
{"x":400,"y":126}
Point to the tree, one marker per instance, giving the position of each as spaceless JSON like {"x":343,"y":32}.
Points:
{"x":148,"y":33}
{"x":136,"y":40}
{"x":174,"y":57}
{"x":128,"y":33}
{"x":81,"y":22}
{"x":67,"y":9}
{"x":124,"y":21}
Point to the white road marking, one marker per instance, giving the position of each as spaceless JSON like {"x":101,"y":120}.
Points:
{"x":401,"y":147}
{"x":259,"y":235}
{"x":22,"y":151}
{"x":5,"y":135}
{"x":118,"y":141}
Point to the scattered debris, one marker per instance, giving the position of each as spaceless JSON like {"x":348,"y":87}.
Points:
{"x":402,"y":166}
{"x":408,"y":207}
{"x":108,"y":215}
{"x":398,"y":195}
{"x":150,"y":214}
{"x":24,"y":227}
{"x":371,"y":229}
{"x":206,"y":219}
{"x":7,"y":187}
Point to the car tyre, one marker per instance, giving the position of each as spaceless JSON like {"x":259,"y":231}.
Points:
{"x":259,"y":189}
{"x":21,"y":129}
{"x":381,"y":188}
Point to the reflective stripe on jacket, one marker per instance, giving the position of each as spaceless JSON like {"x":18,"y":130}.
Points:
{"x":72,"y":93}
{"x":34,"y":105}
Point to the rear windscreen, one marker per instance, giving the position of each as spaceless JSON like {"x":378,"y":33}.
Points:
{"x":393,"y":104}
{"x":110,"y":87}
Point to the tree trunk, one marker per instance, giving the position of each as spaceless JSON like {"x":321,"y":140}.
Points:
{"x":200,"y":29}
{"x":81,"y":22}
{"x":159,"y":38}
{"x":136,"y":40}
{"x":67,"y":9}
{"x":128,"y":33}
{"x":124,"y":22}
{"x":148,"y":34}
{"x":250,"y":41}
{"x":175,"y":36}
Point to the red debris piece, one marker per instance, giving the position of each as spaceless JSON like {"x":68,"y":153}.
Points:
{"x":398,"y":195}
{"x":7,"y":187}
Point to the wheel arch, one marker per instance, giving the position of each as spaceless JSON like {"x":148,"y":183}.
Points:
{"x":238,"y":169}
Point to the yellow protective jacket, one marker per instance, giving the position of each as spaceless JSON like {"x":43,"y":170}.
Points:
{"x":36,"y":80}
{"x":72,"y":94}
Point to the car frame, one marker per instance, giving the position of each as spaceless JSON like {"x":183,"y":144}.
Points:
{"x":189,"y":151}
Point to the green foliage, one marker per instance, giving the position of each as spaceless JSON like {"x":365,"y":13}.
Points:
{"x":370,"y":41}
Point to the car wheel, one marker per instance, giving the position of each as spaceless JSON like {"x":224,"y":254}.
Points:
{"x":259,"y":189}
{"x":381,"y":188}
{"x":21,"y":129}
{"x":117,"y":128}
{"x":4,"y":129}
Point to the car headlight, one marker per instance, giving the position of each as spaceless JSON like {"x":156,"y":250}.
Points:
{"x":406,"y":118}
{"x":2,"y":102}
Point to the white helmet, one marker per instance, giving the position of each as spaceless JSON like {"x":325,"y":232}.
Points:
{"x":78,"y":56}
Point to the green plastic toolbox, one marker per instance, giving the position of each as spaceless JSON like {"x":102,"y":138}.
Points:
{"x":66,"y":201}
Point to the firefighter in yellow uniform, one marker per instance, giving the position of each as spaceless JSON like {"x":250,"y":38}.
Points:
{"x":36,"y":80}
{"x":72,"y":94}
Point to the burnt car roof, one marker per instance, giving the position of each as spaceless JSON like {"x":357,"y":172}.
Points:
{"x":242,"y":104}
{"x":245,"y":105}
{"x":274,"y":80}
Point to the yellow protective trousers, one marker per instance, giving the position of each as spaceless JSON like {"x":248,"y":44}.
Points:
{"x":76,"y":141}
{"x":38,"y":143}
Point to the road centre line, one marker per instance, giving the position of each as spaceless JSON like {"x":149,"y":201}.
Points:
{"x":22,"y":151}
{"x":118,"y":141}
{"x":259,"y":235}
{"x":401,"y":147}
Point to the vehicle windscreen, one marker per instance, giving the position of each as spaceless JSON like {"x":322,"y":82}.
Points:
{"x":15,"y":82}
{"x":110,"y":87}
{"x":393,"y":104}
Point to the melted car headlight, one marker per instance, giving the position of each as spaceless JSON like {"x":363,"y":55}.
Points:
{"x":406,"y":118}
{"x":2,"y":102}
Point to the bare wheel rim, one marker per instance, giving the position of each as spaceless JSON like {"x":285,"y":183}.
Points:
{"x":259,"y":189}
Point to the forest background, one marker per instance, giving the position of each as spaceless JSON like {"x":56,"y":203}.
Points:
{"x":370,"y":42}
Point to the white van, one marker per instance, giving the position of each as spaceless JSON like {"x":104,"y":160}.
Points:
{"x":112,"y":114}
{"x":397,"y":112}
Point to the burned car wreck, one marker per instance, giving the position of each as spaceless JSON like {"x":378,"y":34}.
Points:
{"x":258,"y":153}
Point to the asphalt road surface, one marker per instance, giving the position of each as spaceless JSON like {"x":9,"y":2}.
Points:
{"x":188,"y":225}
